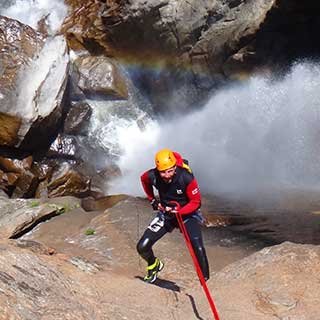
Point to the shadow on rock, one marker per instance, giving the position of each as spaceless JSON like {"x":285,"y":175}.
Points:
{"x":165,"y":284}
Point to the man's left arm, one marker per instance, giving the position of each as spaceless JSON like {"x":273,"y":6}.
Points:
{"x":194,"y":196}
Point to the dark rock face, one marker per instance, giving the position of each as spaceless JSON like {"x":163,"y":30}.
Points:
{"x":189,"y":44}
{"x":77,"y":119}
{"x":83,"y":27}
{"x":213,"y":40}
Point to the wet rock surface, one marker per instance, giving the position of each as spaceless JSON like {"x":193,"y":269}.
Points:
{"x":67,"y":181}
{"x":77,"y":119}
{"x":19,"y":43}
{"x":99,"y":75}
{"x":102,"y":269}
{"x":64,"y":146}
{"x":28,"y":114}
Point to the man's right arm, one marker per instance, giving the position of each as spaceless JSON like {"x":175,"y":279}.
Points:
{"x":147,"y":185}
{"x":148,"y":189}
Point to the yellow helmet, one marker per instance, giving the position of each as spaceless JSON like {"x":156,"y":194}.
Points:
{"x":165,"y":159}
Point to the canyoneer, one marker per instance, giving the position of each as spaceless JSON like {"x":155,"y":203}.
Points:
{"x":175,"y":183}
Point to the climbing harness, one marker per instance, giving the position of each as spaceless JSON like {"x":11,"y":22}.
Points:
{"x":195,"y":260}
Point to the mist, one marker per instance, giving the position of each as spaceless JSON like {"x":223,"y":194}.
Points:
{"x":258,"y":136}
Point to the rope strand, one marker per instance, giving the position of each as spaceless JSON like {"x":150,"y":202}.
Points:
{"x":195,"y":262}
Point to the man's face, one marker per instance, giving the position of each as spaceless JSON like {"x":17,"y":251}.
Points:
{"x":168,"y":174}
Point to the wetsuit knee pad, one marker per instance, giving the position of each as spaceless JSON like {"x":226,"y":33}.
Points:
{"x":144,"y":245}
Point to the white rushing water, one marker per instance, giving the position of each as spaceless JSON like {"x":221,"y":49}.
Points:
{"x":259,"y":135}
{"x":31,"y":11}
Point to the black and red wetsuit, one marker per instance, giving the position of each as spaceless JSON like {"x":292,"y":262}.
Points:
{"x":184,"y":189}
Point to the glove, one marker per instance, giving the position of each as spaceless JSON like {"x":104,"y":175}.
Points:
{"x":155,"y":204}
{"x":171,"y":210}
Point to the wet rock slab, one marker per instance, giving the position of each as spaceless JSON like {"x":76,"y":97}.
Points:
{"x":100,"y":277}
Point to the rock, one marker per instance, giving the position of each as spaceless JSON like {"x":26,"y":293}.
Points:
{"x":32,"y":80}
{"x":198,"y":36}
{"x":99,"y":75}
{"x":35,"y":287}
{"x":16,"y":165}
{"x":212,"y":40}
{"x":84,"y":265}
{"x":90,"y":204}
{"x":67,"y":181}
{"x":34,"y":246}
{"x":77,"y":119}
{"x":101,"y":178}
{"x":25,"y":186}
{"x":8,"y":181}
{"x":18,"y":180}
{"x":42,"y":190}
{"x":10,"y":126}
{"x":43,"y":103}
{"x":3,"y":195}
{"x":19,"y":44}
{"x":197,"y":31}
{"x":84,"y":28}
{"x":238,"y":20}
{"x":64,"y":146}
{"x":18,"y":217}
{"x":278,"y":282}
{"x":43,"y":169}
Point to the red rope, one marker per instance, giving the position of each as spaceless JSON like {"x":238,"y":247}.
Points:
{"x":195,"y":262}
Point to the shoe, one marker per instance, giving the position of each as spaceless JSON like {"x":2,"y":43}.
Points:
{"x":152,"y":271}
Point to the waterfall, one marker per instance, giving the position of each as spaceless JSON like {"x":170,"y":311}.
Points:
{"x":31,"y":11}
{"x":260,"y":135}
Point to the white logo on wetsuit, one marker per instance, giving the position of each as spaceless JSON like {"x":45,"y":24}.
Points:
{"x":156,"y":224}
{"x":195,"y":191}
{"x":179,"y":191}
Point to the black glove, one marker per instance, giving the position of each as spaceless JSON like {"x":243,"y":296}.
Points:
{"x":155,"y":204}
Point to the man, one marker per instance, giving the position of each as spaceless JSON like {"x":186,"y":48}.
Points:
{"x":175,"y":182}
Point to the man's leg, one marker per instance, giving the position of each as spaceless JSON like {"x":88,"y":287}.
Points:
{"x":155,"y":231}
{"x":194,"y":231}
{"x":148,"y":239}
{"x":152,"y":234}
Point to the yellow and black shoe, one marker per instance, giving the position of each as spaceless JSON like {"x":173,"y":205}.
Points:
{"x":152,"y":271}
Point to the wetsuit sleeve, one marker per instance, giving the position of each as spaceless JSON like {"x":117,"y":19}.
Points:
{"x":147,"y":185}
{"x":194,"y":196}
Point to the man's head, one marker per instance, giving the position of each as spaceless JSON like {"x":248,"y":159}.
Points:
{"x":166,"y":164}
